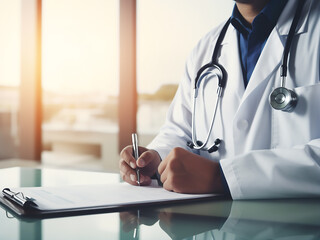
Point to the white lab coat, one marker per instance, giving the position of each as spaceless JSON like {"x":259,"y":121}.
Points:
{"x":265,"y":153}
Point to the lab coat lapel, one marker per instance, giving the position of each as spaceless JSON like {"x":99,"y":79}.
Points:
{"x":271,"y":56}
{"x":284,"y":22}
{"x":267,"y":64}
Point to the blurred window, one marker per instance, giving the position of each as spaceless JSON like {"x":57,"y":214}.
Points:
{"x":10,"y":27}
{"x":80,"y":79}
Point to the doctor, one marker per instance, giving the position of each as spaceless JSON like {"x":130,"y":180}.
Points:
{"x":255,"y":149}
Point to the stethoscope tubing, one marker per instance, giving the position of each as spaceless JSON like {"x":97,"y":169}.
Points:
{"x":194,"y":135}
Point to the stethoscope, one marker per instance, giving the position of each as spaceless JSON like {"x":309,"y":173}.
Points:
{"x":281,"y":98}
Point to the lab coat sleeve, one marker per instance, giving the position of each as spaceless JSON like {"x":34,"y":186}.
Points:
{"x":176,"y":131}
{"x":275,"y":173}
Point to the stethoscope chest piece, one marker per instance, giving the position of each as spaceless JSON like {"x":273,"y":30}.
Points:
{"x":283,"y":99}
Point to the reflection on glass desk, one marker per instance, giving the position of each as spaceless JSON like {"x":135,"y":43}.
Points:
{"x":217,"y":219}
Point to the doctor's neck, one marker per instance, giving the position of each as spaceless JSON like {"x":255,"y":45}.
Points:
{"x":249,"y":9}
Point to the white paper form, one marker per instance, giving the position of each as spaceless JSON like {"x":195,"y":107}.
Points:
{"x":103,"y":195}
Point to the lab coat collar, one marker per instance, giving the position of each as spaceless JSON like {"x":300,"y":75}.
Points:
{"x":269,"y":63}
{"x":284,"y":22}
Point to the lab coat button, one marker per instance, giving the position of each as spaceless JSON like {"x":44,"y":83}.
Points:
{"x":242,"y":124}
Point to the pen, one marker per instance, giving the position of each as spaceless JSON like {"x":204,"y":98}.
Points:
{"x":136,"y":153}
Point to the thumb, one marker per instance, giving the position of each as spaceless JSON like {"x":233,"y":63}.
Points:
{"x":146,"y":159}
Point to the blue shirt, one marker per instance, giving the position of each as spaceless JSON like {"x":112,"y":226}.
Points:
{"x":252,"y":38}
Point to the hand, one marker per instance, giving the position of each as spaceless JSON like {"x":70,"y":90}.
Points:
{"x":185,"y":172}
{"x":148,"y":163}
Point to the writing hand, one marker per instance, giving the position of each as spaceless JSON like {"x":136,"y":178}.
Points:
{"x":147,"y":162}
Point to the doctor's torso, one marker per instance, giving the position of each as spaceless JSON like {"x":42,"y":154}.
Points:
{"x":245,"y":120}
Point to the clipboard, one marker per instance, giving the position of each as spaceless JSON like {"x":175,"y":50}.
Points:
{"x":48,"y":202}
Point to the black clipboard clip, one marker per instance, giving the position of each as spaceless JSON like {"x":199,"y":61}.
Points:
{"x":19,"y":198}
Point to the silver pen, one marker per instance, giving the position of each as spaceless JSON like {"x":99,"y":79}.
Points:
{"x":136,"y":153}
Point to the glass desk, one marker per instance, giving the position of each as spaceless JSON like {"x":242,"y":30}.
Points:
{"x":219,"y":219}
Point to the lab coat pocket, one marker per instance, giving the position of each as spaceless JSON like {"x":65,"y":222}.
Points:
{"x":303,"y":124}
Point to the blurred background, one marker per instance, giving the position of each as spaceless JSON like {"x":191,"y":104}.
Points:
{"x":60,"y":74}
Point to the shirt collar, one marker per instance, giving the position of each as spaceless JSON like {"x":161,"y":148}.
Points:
{"x":269,"y":13}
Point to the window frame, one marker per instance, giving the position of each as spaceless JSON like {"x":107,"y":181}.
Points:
{"x":30,"y":109}
{"x":127,"y":106}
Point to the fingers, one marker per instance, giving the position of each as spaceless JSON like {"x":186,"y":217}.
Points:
{"x":128,"y":174}
{"x":148,"y":159}
{"x":162,"y":171}
{"x":162,"y":166}
{"x":167,"y":182}
{"x":126,"y":155}
{"x":171,"y":169}
{"x":144,"y":159}
{"x":128,"y":166}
